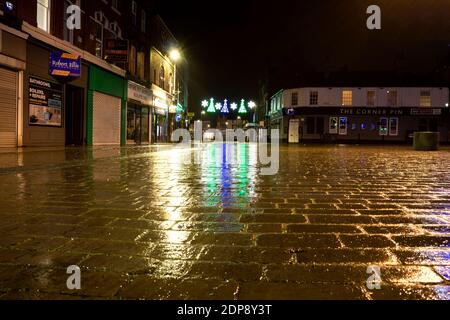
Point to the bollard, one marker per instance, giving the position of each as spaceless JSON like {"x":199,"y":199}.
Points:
{"x":426,"y":141}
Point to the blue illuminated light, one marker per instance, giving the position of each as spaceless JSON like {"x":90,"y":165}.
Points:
{"x":9,"y":6}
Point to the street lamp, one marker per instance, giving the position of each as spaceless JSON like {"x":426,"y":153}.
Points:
{"x":175,"y":55}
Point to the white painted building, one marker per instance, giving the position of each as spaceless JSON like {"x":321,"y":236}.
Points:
{"x":389,"y":114}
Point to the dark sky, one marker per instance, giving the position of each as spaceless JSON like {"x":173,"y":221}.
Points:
{"x":229,"y":44}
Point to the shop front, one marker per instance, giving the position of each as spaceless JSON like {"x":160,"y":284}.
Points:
{"x":106,"y":110}
{"x":160,"y":115}
{"x":382,"y":125}
{"x":138,"y":114}
{"x":12,"y":67}
{"x":55,"y":85}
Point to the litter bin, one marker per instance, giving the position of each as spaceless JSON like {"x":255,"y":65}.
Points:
{"x":426,"y":141}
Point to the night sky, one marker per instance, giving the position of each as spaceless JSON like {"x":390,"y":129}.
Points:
{"x":230,"y":45}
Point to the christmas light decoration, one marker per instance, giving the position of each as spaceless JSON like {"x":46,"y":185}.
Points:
{"x":242,"y":109}
{"x":251,"y":105}
{"x":218,"y":106}
{"x":225,"y":107}
{"x":234,"y":106}
{"x":205,"y":103}
{"x":211,"y":108}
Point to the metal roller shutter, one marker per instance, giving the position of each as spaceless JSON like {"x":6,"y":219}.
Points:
{"x":107,"y":114}
{"x":8,"y":108}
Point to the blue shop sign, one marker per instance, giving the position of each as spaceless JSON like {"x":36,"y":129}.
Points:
{"x":65,"y":65}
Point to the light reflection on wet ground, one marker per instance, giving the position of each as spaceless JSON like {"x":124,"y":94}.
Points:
{"x":142,"y":223}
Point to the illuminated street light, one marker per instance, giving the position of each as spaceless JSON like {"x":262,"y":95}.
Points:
{"x":175,"y":55}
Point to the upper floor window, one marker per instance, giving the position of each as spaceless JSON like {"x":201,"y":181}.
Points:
{"x":425,"y":98}
{"x":115,"y":4}
{"x":143,"y":21}
{"x":43,"y":15}
{"x":392,"y":100}
{"x":134,"y":11}
{"x":162,"y":78}
{"x":347,"y":98}
{"x":132,"y":66}
{"x":371,"y":98}
{"x":314,"y":98}
{"x":294,"y":98}
{"x":141,"y":65}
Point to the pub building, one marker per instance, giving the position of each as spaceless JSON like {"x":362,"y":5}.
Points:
{"x":354,"y":115}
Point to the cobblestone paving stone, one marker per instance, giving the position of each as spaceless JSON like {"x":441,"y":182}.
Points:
{"x":142,"y":224}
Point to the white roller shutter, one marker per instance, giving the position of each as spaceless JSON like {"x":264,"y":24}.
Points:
{"x":107,"y":111}
{"x":8,"y":108}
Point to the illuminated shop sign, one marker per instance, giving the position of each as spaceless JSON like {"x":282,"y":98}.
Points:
{"x":139,"y":93}
{"x":65,"y":65}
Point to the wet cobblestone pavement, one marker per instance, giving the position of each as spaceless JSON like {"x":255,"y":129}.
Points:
{"x":142,"y":224}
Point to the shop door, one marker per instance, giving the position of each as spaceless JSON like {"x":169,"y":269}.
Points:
{"x":74,"y":116}
{"x":294,"y":128}
{"x":107,"y":118}
{"x":8,"y":108}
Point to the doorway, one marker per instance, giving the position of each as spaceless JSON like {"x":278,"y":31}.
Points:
{"x":74,"y":115}
{"x":138,"y":124}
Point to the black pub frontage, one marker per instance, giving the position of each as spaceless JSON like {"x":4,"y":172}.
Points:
{"x":363,"y":124}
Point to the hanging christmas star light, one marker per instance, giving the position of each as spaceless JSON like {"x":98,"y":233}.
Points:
{"x":251,"y":105}
{"x":234,"y":106}
{"x":225,"y":107}
{"x":242,"y":109}
{"x":205,"y":103}
{"x":218,"y":106}
{"x":211,"y":108}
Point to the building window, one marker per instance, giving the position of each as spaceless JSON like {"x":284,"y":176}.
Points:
{"x":141,"y":65}
{"x":347,"y":98}
{"x":132,"y":66}
{"x":393,"y":127}
{"x":384,"y":130}
{"x":333,"y":125}
{"x":295,"y":98}
{"x":392,"y":98}
{"x":314,"y":98}
{"x":425,"y":98}
{"x":43,"y":15}
{"x":343,"y":126}
{"x":162,"y":78}
{"x":134,"y":11}
{"x":371,"y":98}
{"x":98,"y":39}
{"x":69,"y":34}
{"x":143,"y":21}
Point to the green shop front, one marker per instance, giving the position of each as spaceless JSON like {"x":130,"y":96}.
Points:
{"x":106,"y":108}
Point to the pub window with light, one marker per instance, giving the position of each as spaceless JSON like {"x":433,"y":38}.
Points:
{"x":371,"y":98}
{"x":347,"y":98}
{"x":425,"y":98}
{"x":43,"y":15}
